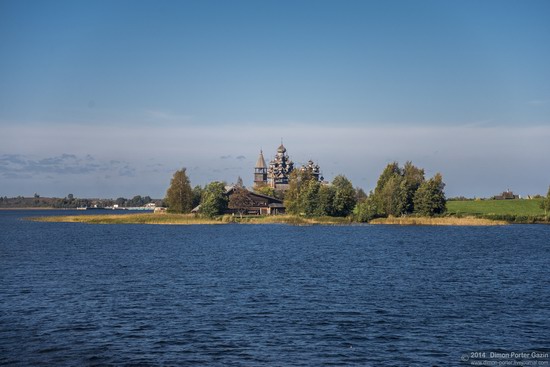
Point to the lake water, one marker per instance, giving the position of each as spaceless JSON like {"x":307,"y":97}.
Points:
{"x":246,"y":295}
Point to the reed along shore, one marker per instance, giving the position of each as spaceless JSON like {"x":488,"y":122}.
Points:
{"x":191,"y":219}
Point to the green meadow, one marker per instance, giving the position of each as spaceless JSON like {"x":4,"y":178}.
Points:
{"x":497,"y":209}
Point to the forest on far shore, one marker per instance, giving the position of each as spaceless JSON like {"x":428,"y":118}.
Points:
{"x":71,"y":202}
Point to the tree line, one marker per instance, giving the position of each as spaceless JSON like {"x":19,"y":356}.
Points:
{"x":545,"y":204}
{"x":399,"y":191}
{"x":403,"y":191}
{"x":307,"y":196}
{"x":72,"y":202}
{"x":181,"y":198}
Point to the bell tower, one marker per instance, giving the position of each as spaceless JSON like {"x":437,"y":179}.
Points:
{"x":260,"y":171}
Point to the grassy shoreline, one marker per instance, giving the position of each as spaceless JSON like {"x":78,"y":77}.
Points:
{"x":190,"y":219}
{"x":459,"y":213}
{"x":439,"y":221}
{"x":142,"y":218}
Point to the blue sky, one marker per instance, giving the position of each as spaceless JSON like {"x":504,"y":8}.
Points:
{"x":109,"y":98}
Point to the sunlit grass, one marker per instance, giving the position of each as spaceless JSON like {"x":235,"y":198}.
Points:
{"x":450,"y":219}
{"x":183,"y":219}
{"x":517,"y":207}
{"x":438,"y":221}
{"x":148,"y":218}
{"x":512,"y":211}
{"x":295,"y":220}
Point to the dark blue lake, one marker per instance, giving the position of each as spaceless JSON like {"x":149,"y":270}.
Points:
{"x":232,"y":295}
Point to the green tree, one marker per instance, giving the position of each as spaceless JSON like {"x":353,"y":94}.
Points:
{"x":326,"y":200}
{"x":360,"y":194}
{"x":298,"y":182}
{"x":395,"y":189}
{"x":429,"y":199}
{"x":386,"y":192}
{"x":414,"y":177}
{"x":545,"y":204}
{"x":136,"y":201}
{"x":197,"y":193}
{"x":366,"y":209}
{"x":391,"y":170}
{"x":265,"y":190}
{"x":240,"y":200}
{"x":291,"y":202}
{"x":139,"y":200}
{"x":309,"y":198}
{"x":121,"y":201}
{"x":214,"y":199}
{"x":392,"y":199}
{"x":344,"y":196}
{"x":179,"y":195}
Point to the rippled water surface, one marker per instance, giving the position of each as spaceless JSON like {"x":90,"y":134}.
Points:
{"x":77,"y":294}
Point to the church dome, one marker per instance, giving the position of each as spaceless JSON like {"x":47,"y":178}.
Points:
{"x":281,"y":149}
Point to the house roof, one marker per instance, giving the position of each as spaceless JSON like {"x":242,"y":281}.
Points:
{"x":271,"y":198}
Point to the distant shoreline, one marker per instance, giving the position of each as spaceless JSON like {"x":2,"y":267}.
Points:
{"x":35,"y":208}
{"x":190,"y":219}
